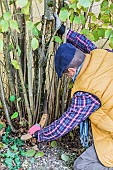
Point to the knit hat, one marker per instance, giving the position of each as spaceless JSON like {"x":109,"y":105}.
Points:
{"x":63,"y":57}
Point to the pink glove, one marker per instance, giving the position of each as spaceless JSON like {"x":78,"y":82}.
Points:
{"x":33,"y":129}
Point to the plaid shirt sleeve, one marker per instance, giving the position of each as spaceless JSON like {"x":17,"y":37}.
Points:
{"x":80,"y":41}
{"x":82,"y":105}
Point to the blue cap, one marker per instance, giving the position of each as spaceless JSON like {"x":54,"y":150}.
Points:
{"x":63,"y":57}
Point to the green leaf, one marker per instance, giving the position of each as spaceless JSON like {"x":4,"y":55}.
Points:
{"x":111,"y":7}
{"x":11,"y":47}
{"x":14,"y":147}
{"x":15,"y":64}
{"x":30,"y":153}
{"x":8,"y":130}
{"x":10,"y":2}
{"x":34,"y":43}
{"x":5,"y":140}
{"x":11,"y":139}
{"x":10,"y":154}
{"x":54,"y":144}
{"x":15,"y":115}
{"x":64,"y":157}
{"x":112,"y":22}
{"x":25,"y":10}
{"x":1,"y":105}
{"x":95,"y":34}
{"x":84,"y":9}
{"x":91,"y":37}
{"x":14,"y":25}
{"x":76,"y":20}
{"x":106,"y":12}
{"x":32,"y":160}
{"x":79,"y":5}
{"x":72,"y":1}
{"x":29,"y":25}
{"x":1,"y":145}
{"x":35,"y":31}
{"x":91,"y":26}
{"x":17,"y":161}
{"x":101,"y":32}
{"x":39,"y":154}
{"x":4,"y":25}
{"x":57,"y":39}
{"x":64,"y":15}
{"x":108,"y":33}
{"x":82,"y":19}
{"x":8,"y":162}
{"x":105,"y":18}
{"x":111,"y":42}
{"x":105,"y":25}
{"x":90,"y":14}
{"x":94,"y":18}
{"x":71,"y":18}
{"x":22,"y":152}
{"x":85,"y":31}
{"x":19,"y":51}
{"x":1,"y":126}
{"x":40,"y":1}
{"x":7,"y":16}
{"x":73,"y":6}
{"x":85,"y":3}
{"x":104,"y":5}
{"x":22,"y":3}
{"x":72,"y":135}
{"x":18,"y":142}
{"x":12,"y":98}
{"x":70,"y":85}
{"x":1,"y":45}
{"x":19,"y":99}
{"x":37,"y":23}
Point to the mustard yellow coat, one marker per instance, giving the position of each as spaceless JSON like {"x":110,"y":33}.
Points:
{"x":96,"y":77}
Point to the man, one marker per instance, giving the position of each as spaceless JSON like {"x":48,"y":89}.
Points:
{"x":92,"y":96}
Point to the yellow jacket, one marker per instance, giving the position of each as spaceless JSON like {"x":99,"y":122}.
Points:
{"x":96,"y":77}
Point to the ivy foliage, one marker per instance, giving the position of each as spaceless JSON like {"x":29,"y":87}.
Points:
{"x":13,"y":150}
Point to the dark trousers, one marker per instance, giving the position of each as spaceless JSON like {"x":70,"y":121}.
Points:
{"x":88,"y":160}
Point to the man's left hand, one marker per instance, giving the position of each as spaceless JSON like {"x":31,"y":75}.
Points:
{"x":33,"y":129}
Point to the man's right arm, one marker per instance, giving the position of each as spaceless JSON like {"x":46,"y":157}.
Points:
{"x":82,"y":106}
{"x":78,"y":40}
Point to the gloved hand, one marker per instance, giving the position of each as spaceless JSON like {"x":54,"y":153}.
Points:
{"x":59,"y":26}
{"x":57,"y":21}
{"x":34,"y":129}
{"x":32,"y":132}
